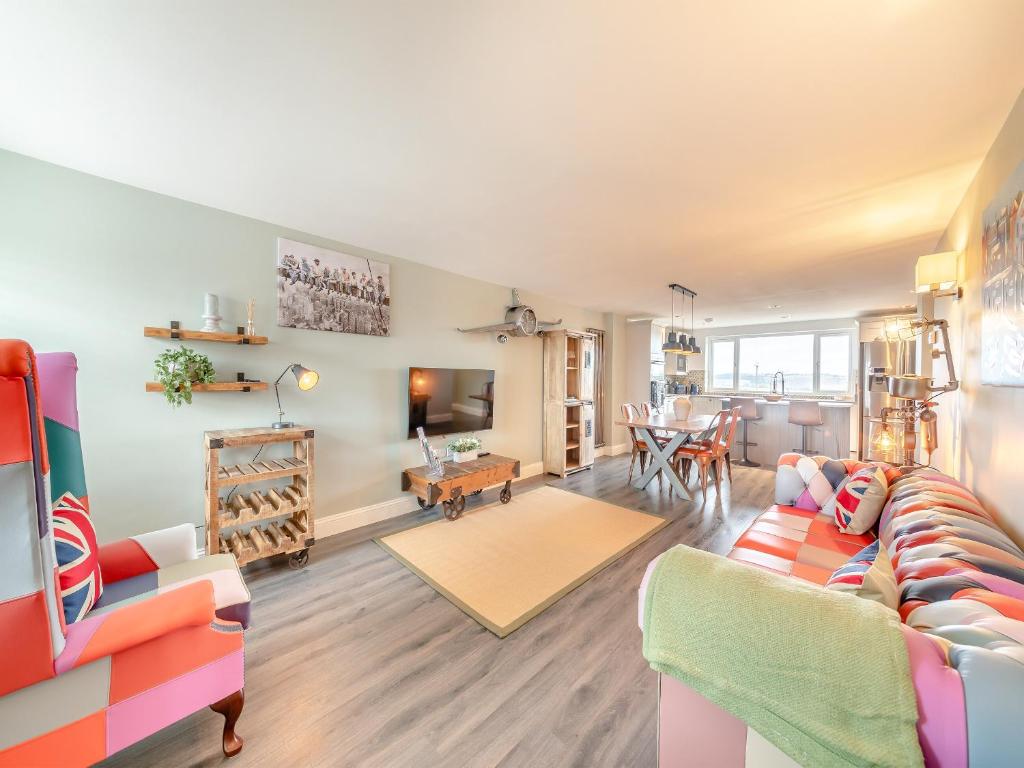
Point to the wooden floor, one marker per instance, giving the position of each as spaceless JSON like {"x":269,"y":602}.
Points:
{"x":356,"y":662}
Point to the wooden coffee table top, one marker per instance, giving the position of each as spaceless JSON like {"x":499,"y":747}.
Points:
{"x":453,"y":470}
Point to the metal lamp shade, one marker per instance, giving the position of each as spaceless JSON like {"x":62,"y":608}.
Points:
{"x":304,"y":377}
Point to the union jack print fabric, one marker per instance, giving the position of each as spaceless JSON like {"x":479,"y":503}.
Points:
{"x":77,"y":564}
{"x":858,"y":502}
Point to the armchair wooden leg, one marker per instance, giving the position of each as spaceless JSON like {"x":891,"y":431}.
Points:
{"x":717,"y":471}
{"x":231,"y":708}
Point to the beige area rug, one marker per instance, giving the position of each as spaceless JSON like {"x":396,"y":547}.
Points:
{"x":503,"y":564}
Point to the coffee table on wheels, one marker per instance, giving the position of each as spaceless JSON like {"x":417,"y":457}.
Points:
{"x":467,"y":478}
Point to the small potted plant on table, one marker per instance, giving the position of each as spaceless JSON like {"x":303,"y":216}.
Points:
{"x":464,"y":449}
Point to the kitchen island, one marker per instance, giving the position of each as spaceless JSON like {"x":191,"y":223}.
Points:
{"x":774,"y":435}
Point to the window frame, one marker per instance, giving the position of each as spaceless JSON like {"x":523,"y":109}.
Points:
{"x":849,"y":333}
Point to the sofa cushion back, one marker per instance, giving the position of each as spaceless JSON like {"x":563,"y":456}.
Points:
{"x":31,"y":618}
{"x":807,"y":482}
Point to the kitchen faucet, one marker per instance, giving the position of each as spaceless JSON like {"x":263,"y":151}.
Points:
{"x":775,"y":377}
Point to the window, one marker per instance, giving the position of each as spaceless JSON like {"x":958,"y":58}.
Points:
{"x":762,"y":356}
{"x":815,"y":362}
{"x":834,"y":363}
{"x":722,"y":364}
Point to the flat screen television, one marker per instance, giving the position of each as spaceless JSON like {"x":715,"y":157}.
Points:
{"x":445,"y":401}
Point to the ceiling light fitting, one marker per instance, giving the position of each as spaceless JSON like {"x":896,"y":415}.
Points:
{"x":682,"y":344}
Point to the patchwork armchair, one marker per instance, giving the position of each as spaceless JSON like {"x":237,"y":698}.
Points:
{"x":163,"y":640}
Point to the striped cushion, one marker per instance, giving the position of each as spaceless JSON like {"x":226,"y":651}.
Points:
{"x":81,"y":583}
{"x":868,"y":574}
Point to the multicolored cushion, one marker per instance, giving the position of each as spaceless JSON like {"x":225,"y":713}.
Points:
{"x":857,"y":504}
{"x":78,"y":568}
{"x":868,"y":574}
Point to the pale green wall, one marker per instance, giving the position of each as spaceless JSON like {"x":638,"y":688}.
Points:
{"x":86,"y":263}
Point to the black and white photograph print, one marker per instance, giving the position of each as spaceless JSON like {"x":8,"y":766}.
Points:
{"x":323,"y":290}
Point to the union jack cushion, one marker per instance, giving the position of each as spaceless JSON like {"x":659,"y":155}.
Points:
{"x":81,"y":583}
{"x":857,"y":503}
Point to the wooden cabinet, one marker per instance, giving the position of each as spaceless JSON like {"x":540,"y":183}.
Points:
{"x":568,"y":401}
{"x":270,"y":519}
{"x":586,"y":372}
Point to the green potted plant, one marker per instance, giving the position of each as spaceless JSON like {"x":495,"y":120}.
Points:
{"x":464,"y":449}
{"x":178,"y":369}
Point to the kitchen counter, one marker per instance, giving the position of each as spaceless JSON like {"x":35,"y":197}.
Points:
{"x":764,"y":401}
{"x":772,"y":434}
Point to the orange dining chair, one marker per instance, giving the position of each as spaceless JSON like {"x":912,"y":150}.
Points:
{"x":711,"y":453}
{"x":631,"y":413}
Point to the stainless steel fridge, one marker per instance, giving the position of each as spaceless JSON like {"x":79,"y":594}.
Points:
{"x":879,"y":359}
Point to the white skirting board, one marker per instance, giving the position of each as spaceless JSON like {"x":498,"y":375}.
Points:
{"x":331,"y":525}
{"x":613,"y":450}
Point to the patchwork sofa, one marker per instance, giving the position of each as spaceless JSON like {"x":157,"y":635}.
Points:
{"x":960,"y":581}
{"x":164,"y":639}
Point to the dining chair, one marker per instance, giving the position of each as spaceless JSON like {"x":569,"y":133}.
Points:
{"x":648,"y":410}
{"x":711,"y":453}
{"x":631,"y":413}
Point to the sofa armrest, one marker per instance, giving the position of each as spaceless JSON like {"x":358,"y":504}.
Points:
{"x":105,"y":634}
{"x":147,"y":552}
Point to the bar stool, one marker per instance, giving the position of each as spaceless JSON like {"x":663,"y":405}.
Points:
{"x":748,"y":412}
{"x":805,"y":413}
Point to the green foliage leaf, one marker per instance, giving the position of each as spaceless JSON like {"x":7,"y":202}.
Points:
{"x":464,"y":444}
{"x":177,"y":369}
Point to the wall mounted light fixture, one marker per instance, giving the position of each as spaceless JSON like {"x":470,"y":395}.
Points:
{"x":936,"y":273}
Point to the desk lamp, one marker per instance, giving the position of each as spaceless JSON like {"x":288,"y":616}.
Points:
{"x":305,"y":378}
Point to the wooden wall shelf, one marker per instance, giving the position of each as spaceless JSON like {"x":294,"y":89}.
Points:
{"x":179,"y":333}
{"x":216,"y":386}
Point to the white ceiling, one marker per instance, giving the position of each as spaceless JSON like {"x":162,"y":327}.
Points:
{"x":796,"y":152}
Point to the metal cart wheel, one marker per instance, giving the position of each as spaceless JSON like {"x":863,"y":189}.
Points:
{"x":425,"y":505}
{"x":453,"y":508}
{"x":506,"y":495}
{"x":299,"y":560}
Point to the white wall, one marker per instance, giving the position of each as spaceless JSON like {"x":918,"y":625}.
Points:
{"x":86,"y":263}
{"x":981,"y":428}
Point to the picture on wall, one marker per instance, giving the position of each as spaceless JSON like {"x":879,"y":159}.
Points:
{"x":1002,"y":254}
{"x":323,"y":290}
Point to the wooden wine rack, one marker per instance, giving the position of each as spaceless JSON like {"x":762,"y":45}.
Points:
{"x":256,"y":524}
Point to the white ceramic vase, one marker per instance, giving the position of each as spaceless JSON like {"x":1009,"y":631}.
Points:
{"x":211,"y":312}
{"x":460,"y":456}
{"x":682,"y":407}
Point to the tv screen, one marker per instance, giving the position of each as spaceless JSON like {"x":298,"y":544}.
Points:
{"x":445,"y":401}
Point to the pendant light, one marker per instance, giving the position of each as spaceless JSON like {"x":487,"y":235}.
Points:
{"x":688,"y":343}
{"x":693,"y":346}
{"x":672,"y":346}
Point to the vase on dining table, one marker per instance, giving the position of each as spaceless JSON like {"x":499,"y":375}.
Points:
{"x":682,"y":408}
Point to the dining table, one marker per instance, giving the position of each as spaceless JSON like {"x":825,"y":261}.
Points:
{"x":663,"y":450}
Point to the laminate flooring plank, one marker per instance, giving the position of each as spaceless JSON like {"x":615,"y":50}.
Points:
{"x":355,"y":661}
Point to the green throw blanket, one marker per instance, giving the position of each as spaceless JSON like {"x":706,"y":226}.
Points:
{"x":821,"y":674}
